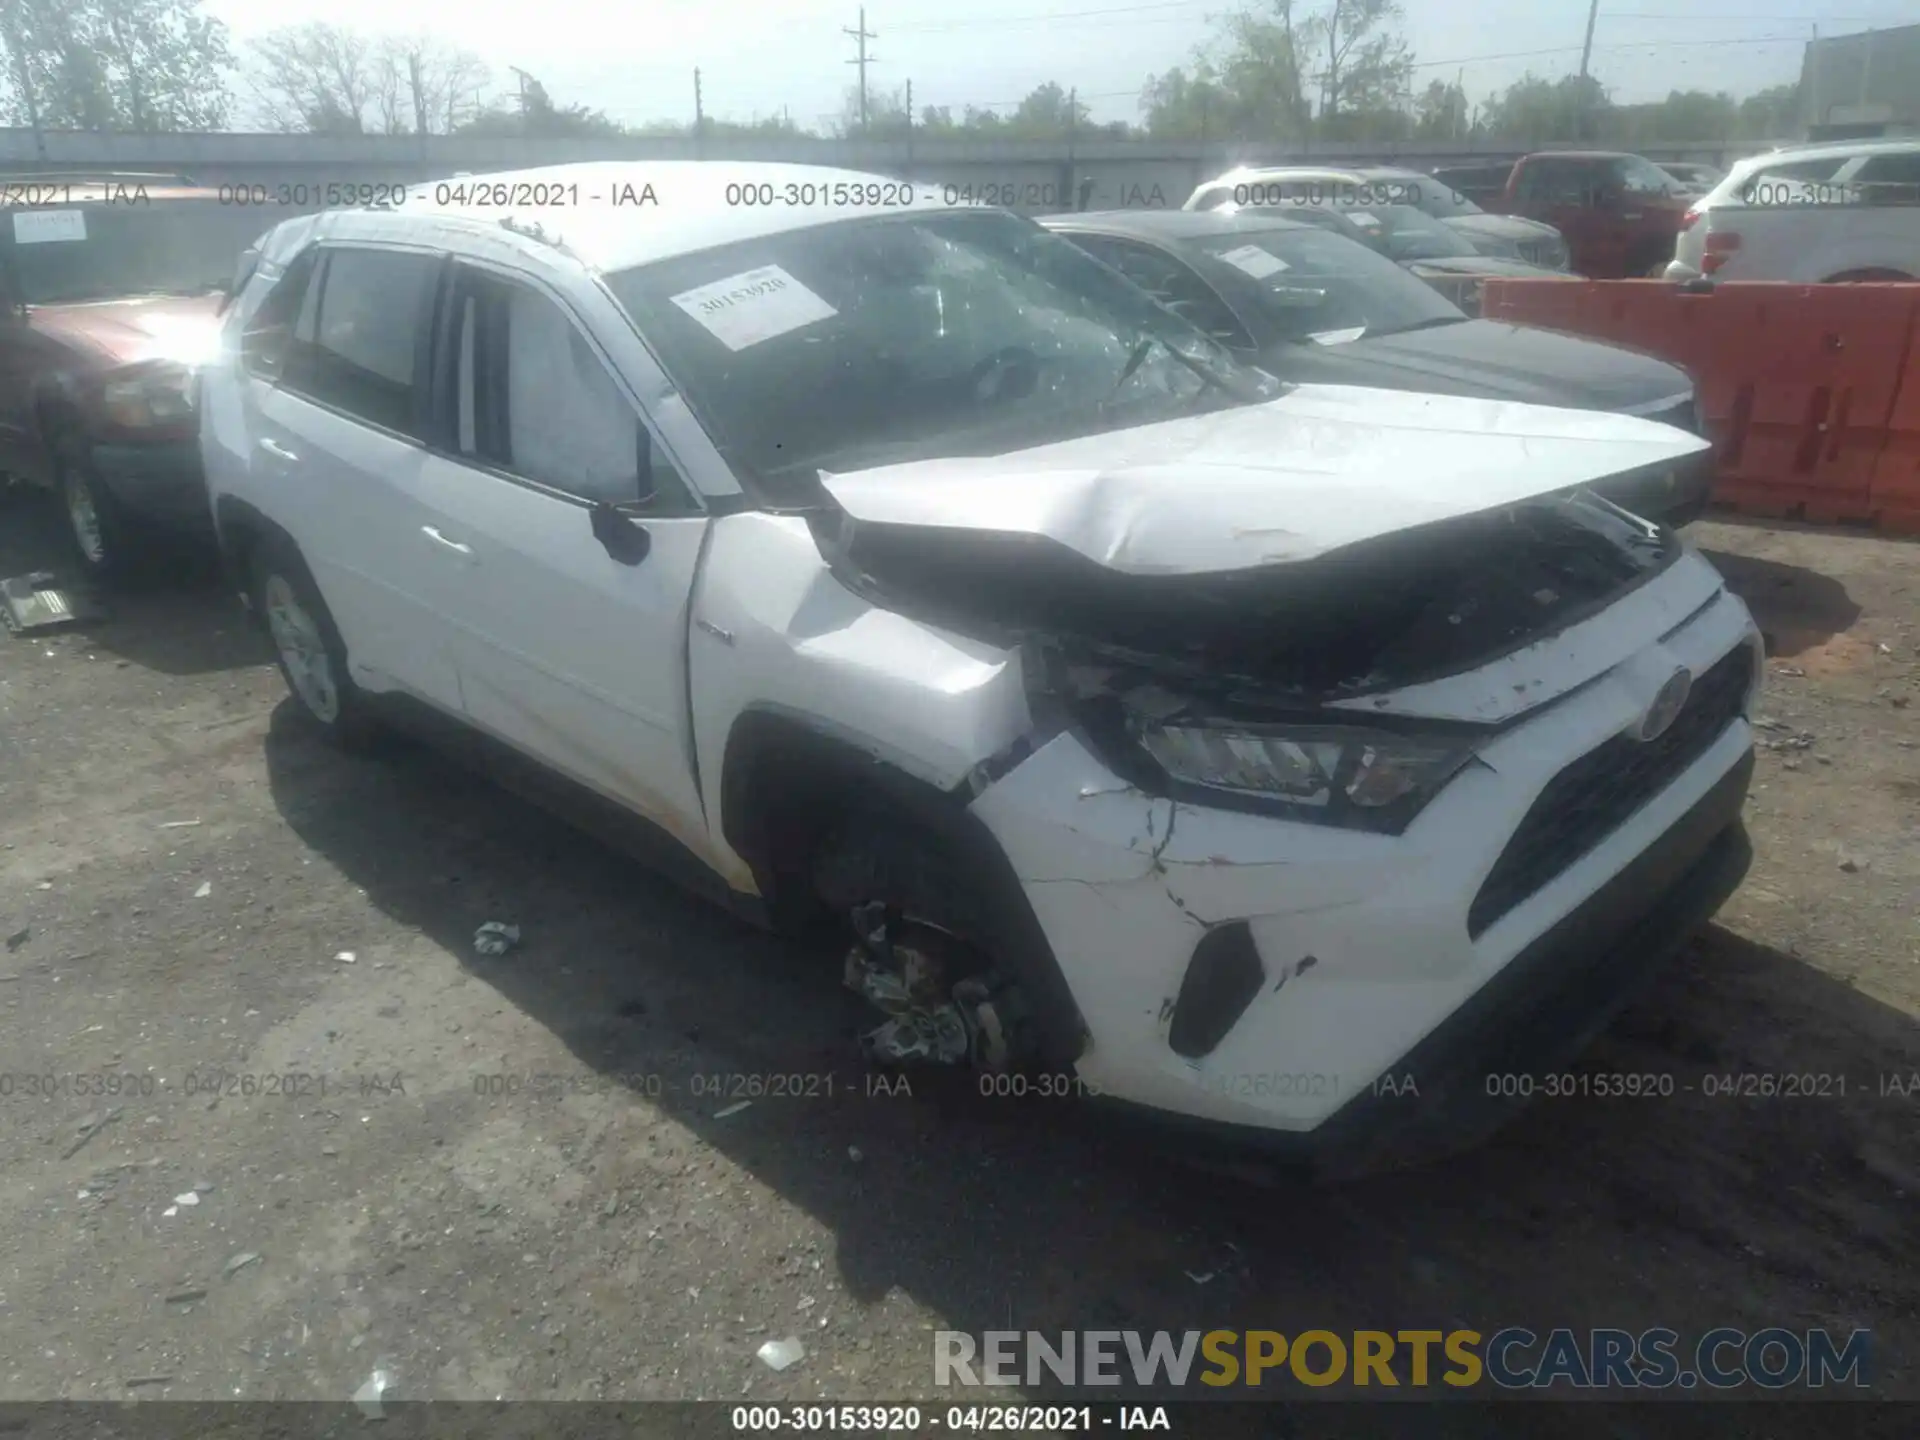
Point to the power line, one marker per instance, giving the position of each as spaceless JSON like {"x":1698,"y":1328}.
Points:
{"x":862,"y":60}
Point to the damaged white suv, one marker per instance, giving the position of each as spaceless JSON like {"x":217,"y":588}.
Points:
{"x":1299,"y":760}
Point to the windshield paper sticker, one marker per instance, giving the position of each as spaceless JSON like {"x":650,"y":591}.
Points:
{"x":753,"y":306}
{"x":1364,"y":217}
{"x":38,"y":227}
{"x":1255,"y":261}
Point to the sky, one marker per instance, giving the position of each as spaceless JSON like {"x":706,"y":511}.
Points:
{"x":758,"y":57}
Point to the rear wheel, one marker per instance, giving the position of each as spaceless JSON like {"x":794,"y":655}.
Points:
{"x":313,"y":661}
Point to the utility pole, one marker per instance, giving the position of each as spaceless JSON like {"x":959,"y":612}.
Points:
{"x":699,"y":116}
{"x":419,"y":93}
{"x":24,"y":78}
{"x":522,"y":77}
{"x":908,"y":173}
{"x":1586,"y":51}
{"x":862,"y":35}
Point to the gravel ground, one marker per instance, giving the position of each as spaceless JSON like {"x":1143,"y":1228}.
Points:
{"x":193,"y":886}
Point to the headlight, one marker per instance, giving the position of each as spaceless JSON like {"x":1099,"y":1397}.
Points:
{"x":161,"y":396}
{"x":1325,"y":775}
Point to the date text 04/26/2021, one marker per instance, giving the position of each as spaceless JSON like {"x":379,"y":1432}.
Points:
{"x":951,"y":1419}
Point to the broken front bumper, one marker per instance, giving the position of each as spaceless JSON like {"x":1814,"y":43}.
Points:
{"x":1384,"y":999}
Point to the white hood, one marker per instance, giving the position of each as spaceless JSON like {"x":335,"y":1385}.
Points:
{"x":1323,"y":467}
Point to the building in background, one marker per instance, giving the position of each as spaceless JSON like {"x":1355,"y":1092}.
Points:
{"x":1858,"y":86}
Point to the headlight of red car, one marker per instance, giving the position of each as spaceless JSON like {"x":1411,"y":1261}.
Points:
{"x":158,"y":395}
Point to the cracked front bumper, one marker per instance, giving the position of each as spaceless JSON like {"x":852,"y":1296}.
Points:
{"x":1371,"y":978}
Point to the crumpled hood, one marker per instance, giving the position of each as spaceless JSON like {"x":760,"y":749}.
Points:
{"x":125,"y":332}
{"x":1324,"y":466}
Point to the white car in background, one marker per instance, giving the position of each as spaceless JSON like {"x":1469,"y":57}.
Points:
{"x":1304,"y":760}
{"x":1845,"y":211}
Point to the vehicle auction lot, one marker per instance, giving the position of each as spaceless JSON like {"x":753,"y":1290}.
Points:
{"x":603,"y":1230}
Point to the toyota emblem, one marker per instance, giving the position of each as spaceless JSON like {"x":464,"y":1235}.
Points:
{"x":1667,"y":705}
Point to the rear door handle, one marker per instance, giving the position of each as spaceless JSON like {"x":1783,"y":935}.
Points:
{"x":277,"y":450}
{"x":439,"y":539}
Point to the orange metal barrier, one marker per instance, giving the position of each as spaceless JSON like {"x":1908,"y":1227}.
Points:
{"x":1811,"y":393}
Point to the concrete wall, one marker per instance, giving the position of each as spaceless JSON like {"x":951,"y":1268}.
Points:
{"x":1036,"y":176}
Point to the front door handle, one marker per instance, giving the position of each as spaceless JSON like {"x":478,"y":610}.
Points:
{"x":439,"y":539}
{"x":277,"y":450}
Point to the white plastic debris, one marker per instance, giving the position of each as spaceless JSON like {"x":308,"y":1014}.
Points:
{"x":733,"y":1109}
{"x":169,"y":1212}
{"x":186,"y":1197}
{"x":782,"y":1354}
{"x":178,"y":824}
{"x":346,"y":957}
{"x":855,"y":1154}
{"x":367,"y":1397}
{"x":495,"y":938}
{"x":206,"y":889}
{"x":240,"y":1262}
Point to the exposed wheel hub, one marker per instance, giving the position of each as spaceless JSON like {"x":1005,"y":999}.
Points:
{"x":942,"y":1006}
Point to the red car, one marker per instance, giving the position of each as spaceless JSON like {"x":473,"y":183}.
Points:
{"x":1620,"y":214}
{"x":110,"y":290}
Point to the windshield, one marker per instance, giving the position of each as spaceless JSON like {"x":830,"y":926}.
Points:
{"x":1313,"y":285}
{"x":882,"y":340}
{"x":103,"y":252}
{"x":1402,"y":233}
{"x":1643,"y":177}
{"x":1437,"y":198}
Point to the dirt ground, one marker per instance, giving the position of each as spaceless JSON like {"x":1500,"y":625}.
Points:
{"x":193,"y":885}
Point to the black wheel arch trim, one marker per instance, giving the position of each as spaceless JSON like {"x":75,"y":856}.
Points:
{"x":761,"y":749}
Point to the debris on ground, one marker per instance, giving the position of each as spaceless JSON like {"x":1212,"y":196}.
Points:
{"x":18,"y":938}
{"x":134,"y":1382}
{"x":186,"y":1297}
{"x":38,"y":602}
{"x":855,"y":1154}
{"x":346,"y":957}
{"x":206,"y":889}
{"x":495,"y":938}
{"x":733,"y":1109}
{"x":90,"y":1127}
{"x":367,"y":1397}
{"x":782,"y":1354}
{"x":178,"y":824}
{"x":187,"y":1197}
{"x":239,"y":1263}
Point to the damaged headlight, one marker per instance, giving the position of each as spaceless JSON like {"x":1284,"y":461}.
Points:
{"x":1327,"y":775}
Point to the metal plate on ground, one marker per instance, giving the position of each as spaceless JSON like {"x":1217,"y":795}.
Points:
{"x":41,"y":602}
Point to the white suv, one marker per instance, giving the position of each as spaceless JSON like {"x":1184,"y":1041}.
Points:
{"x":1847,"y":210}
{"x":1304,"y":760}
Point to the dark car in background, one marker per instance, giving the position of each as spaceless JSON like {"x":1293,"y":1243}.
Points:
{"x":110,"y":292}
{"x":1314,"y":306}
{"x":1415,"y":241}
{"x":1507,"y":237}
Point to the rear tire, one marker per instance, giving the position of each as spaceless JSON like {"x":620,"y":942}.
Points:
{"x":100,"y":529}
{"x":308,"y":648}
{"x":1868,"y":277}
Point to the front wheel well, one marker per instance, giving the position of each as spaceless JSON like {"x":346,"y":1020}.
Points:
{"x":807,"y":809}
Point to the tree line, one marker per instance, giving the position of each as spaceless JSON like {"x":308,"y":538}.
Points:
{"x":1266,"y":74}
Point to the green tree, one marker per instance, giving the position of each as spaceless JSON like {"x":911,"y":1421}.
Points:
{"x":1441,"y":112}
{"x":1364,"y":63}
{"x":1772,"y":114}
{"x":1532,"y":109}
{"x":534,"y":113}
{"x":145,"y":65}
{"x":1048,"y":111}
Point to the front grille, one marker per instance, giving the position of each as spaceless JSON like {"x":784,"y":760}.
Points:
{"x":1596,"y":794}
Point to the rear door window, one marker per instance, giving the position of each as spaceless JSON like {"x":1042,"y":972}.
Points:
{"x":359,"y":343}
